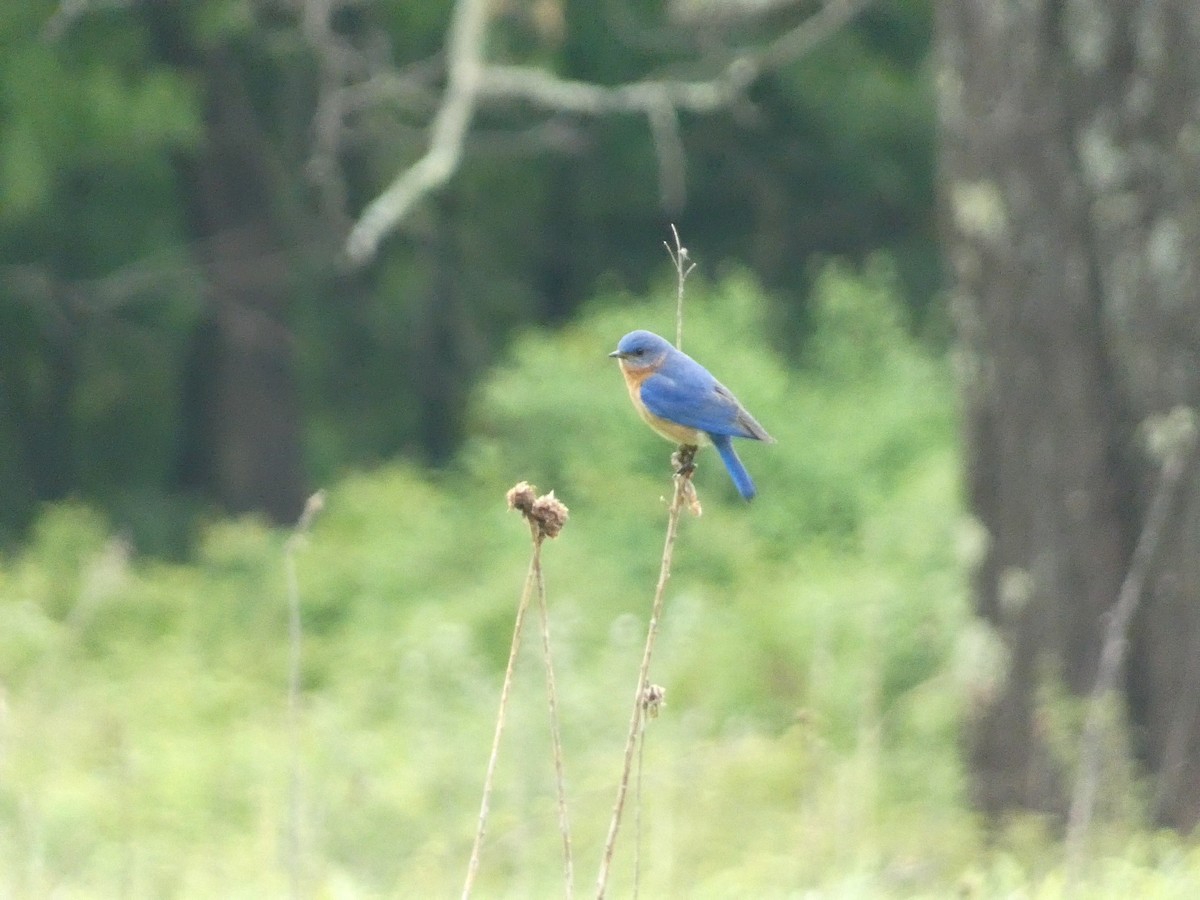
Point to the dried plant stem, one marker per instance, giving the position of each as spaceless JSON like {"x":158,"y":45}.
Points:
{"x":564,"y":824}
{"x":637,"y":808}
{"x":295,"y":843}
{"x":682,"y":484}
{"x":530,"y":577}
{"x":683,"y":268}
{"x":546,"y":516}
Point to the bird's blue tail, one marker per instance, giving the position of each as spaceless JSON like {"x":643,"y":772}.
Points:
{"x":741,"y":478}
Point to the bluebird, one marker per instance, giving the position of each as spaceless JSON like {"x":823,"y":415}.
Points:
{"x":681,"y":400}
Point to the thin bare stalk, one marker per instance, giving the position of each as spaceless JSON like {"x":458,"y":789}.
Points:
{"x":683,"y":268}
{"x":546,"y":516}
{"x":637,"y":809}
{"x":473,"y":865}
{"x":564,"y":824}
{"x":652,"y":702}
{"x":647,"y":698}
{"x":295,"y":842}
{"x":682,"y":484}
{"x":1177,"y":458}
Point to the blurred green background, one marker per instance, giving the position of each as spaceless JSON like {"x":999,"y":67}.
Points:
{"x":811,"y":648}
{"x":180,"y":328}
{"x":817,"y":650}
{"x":171,"y":283}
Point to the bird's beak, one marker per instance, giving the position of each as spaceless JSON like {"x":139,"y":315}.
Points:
{"x":616,"y":354}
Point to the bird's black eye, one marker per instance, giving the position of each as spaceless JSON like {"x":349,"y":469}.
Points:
{"x":640,"y":351}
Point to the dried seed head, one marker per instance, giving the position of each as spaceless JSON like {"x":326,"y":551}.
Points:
{"x":547,"y":514}
{"x":654,"y":698}
{"x":520,"y":497}
{"x":550,"y":513}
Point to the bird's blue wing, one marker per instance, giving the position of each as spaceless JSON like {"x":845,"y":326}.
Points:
{"x":689,"y":395}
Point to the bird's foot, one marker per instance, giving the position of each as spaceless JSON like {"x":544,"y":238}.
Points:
{"x":684,"y":460}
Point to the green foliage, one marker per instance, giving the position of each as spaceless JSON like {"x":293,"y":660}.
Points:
{"x":85,"y":106}
{"x":91,"y":126}
{"x":108,"y":112}
{"x":810,"y":737}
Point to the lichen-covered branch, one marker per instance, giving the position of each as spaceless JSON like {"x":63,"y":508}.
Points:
{"x":464,"y":66}
{"x":472,"y":83}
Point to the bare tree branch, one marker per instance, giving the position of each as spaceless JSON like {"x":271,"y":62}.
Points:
{"x":69,"y":12}
{"x":410,"y":92}
{"x":1173,"y":436}
{"x":672,"y":159}
{"x":335,"y":61}
{"x":464,"y":66}
{"x":584,"y":98}
{"x":802,"y":40}
{"x":471,"y":83}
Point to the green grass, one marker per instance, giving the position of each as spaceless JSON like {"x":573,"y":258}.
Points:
{"x":817,"y":651}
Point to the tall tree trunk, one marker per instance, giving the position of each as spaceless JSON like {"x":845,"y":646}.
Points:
{"x":1070,"y":153}
{"x":252,"y":409}
{"x":242,"y":442}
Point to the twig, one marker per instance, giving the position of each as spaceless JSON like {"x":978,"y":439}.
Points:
{"x":70,"y":12}
{"x":683,"y":268}
{"x":648,"y":698}
{"x":473,"y":865}
{"x":683,"y":475}
{"x":651,"y":704}
{"x":637,"y":809}
{"x":810,"y":33}
{"x":313,"y":506}
{"x":336,"y":62}
{"x":544,"y":89}
{"x":1176,"y":439}
{"x":464,"y":63}
{"x":560,"y":782}
{"x":546,"y":516}
{"x":471,"y":83}
{"x":663,"y":119}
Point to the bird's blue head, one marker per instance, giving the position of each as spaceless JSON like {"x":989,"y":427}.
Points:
{"x":641,"y":350}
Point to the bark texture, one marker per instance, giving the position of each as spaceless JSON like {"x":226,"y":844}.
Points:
{"x":1070,"y":192}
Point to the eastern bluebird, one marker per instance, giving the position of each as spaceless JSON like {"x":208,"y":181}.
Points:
{"x":682,"y":401}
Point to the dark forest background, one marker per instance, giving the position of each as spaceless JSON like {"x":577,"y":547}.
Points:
{"x":947,"y":253}
{"x":180,"y":325}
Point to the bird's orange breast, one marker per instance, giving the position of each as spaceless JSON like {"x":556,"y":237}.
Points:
{"x":672,"y":431}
